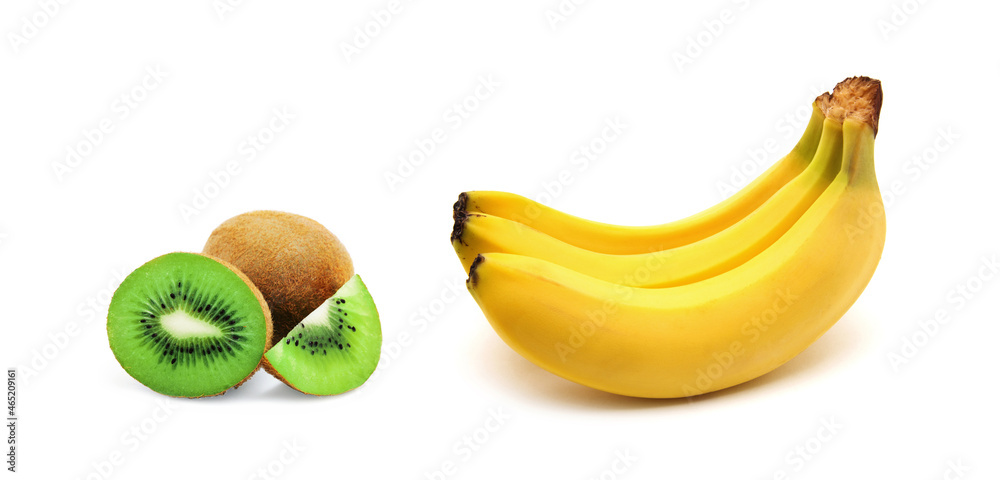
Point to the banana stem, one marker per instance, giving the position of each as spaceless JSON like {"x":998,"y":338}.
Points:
{"x":859,"y":153}
{"x":809,"y":143}
{"x":858,"y":98}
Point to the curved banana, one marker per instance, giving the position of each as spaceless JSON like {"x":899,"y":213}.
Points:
{"x":623,"y":240}
{"x":722,"y":331}
{"x":476,"y":233}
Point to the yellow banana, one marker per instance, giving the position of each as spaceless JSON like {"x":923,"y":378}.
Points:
{"x":476,"y":233}
{"x":623,"y":240}
{"x":721,"y":331}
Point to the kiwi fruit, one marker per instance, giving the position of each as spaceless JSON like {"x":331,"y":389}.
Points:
{"x":187,"y":325}
{"x":335,"y":348}
{"x":295,"y":261}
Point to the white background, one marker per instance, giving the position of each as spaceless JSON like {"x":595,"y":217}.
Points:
{"x":67,"y":235}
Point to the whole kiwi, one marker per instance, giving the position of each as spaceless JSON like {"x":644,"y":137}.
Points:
{"x":294,"y":260}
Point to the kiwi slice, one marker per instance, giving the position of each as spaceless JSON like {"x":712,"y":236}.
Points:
{"x":188,"y":325}
{"x":335,"y":348}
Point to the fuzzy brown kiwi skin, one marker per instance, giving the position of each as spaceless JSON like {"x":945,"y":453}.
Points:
{"x":267,"y":323}
{"x":295,"y":261}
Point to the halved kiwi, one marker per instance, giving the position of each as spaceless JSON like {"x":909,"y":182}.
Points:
{"x":335,"y":348}
{"x":188,"y":325}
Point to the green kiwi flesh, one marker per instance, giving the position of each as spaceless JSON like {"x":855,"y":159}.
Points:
{"x":188,"y":325}
{"x":335,"y":348}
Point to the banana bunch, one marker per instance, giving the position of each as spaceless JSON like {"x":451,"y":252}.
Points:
{"x":699,"y":304}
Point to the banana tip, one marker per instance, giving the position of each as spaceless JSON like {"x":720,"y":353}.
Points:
{"x":473,"y":275}
{"x":459,"y":206}
{"x":461,"y":216}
